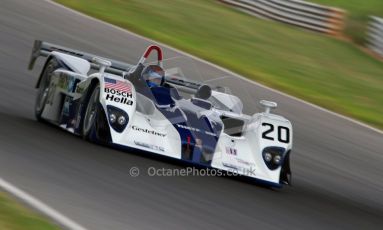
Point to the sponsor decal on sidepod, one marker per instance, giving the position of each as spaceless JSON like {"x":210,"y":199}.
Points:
{"x":148,"y":131}
{"x":118,"y":91}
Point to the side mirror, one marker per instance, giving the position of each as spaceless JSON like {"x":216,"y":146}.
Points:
{"x":102,"y":62}
{"x":268,"y":105}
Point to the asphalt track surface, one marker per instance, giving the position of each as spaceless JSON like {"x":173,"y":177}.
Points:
{"x":337,"y":165}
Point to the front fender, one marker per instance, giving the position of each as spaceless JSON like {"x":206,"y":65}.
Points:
{"x":270,"y":133}
{"x":270,"y":130}
{"x":117,"y":95}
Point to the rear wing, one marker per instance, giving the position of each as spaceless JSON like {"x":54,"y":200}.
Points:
{"x":41,"y":48}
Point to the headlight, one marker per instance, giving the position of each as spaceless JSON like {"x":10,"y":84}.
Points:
{"x":268,"y":157}
{"x":277,"y":159}
{"x":121,"y":120}
{"x":118,"y":119}
{"x":112,"y":118}
{"x":273,"y":157}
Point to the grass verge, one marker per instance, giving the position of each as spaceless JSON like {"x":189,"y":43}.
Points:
{"x":13,"y":216}
{"x":320,"y":69}
{"x":358,"y":15}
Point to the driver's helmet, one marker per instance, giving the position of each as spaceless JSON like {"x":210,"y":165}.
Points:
{"x":154,"y":75}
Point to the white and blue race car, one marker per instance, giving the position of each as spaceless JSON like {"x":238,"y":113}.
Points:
{"x":146,"y":107}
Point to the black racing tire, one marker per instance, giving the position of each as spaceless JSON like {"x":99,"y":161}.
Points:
{"x":286,"y":175}
{"x":44,"y":86}
{"x":95,"y":126}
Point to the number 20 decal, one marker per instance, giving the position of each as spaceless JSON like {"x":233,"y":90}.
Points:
{"x":280,"y":129}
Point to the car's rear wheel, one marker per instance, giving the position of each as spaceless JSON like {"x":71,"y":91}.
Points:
{"x":44,"y":86}
{"x":95,"y":127}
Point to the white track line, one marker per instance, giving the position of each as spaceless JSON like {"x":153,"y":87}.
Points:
{"x":40,"y":206}
{"x":222,"y":69}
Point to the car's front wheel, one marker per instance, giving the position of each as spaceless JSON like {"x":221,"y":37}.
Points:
{"x":95,"y":127}
{"x":285,"y":176}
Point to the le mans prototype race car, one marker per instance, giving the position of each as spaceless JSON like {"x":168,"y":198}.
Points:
{"x":160,"y":111}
